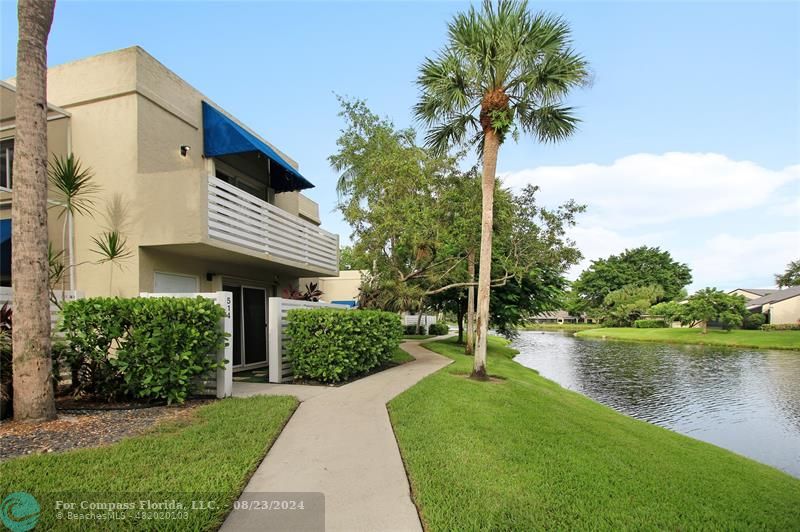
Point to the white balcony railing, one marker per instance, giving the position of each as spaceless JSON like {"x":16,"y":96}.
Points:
{"x":237,"y":217}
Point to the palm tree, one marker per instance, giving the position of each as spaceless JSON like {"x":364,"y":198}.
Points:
{"x":503,"y":70}
{"x":33,"y":392}
{"x":75,"y":190}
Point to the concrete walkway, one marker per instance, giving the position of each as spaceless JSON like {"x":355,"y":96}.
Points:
{"x":339,"y":442}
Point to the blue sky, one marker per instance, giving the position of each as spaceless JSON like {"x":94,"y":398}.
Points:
{"x":690,"y":137}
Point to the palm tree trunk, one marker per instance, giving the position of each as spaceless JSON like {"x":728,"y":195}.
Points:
{"x":491,"y":145}
{"x":33,"y":392}
{"x":469,"y":349}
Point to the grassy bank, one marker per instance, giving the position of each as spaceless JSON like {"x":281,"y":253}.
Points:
{"x":526,"y":454}
{"x":571,"y":327}
{"x":208,"y":457}
{"x":736,"y":338}
{"x":400,"y":357}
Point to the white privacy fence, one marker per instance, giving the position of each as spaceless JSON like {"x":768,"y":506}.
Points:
{"x":413,"y":319}
{"x":240,"y":218}
{"x":222,"y":383}
{"x":7,"y":296}
{"x":280,"y":369}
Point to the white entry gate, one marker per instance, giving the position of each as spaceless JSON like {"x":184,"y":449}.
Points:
{"x":223,"y":383}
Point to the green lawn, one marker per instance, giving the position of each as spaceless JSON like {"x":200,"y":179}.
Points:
{"x":213,"y":454}
{"x":526,"y":454}
{"x":417,"y":336}
{"x":735,"y":338}
{"x":400,"y":357}
{"x":559,"y":326}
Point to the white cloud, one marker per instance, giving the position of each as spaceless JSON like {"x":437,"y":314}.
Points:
{"x":728,"y":261}
{"x":646,"y":189}
{"x":692,"y":204}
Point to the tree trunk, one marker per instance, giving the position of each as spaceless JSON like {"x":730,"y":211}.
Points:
{"x":33,"y":392}
{"x":460,"y":319}
{"x":469,"y":349}
{"x":419,"y":319}
{"x":491,"y":145}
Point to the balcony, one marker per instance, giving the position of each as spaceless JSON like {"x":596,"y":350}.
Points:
{"x":239,"y":218}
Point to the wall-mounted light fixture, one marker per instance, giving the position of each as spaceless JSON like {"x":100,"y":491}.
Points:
{"x":185,"y":150}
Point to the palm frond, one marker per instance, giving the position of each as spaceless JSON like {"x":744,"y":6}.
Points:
{"x":550,"y":123}
{"x":112,"y":247}
{"x":73,"y":184}
{"x":500,"y":60}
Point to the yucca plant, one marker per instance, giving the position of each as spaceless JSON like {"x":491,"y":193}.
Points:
{"x":113,"y":249}
{"x":503,"y":69}
{"x":74,"y":189}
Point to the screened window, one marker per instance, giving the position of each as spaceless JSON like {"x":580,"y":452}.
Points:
{"x":6,"y":162}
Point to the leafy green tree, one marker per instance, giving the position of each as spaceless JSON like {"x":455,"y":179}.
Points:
{"x":710,"y":304}
{"x":670,"y":311}
{"x":642,"y":266}
{"x":350,"y":259}
{"x":624,"y":306}
{"x":791,"y":277}
{"x":502,"y":70}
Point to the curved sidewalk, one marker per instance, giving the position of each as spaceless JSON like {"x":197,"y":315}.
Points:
{"x":339,"y":442}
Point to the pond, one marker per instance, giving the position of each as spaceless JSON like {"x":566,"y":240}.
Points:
{"x":744,"y":400}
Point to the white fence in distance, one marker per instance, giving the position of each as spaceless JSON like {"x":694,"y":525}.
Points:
{"x":223,"y":383}
{"x":280,"y":368}
{"x":413,"y":319}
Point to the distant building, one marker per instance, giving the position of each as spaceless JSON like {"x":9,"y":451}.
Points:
{"x":558,"y":316}
{"x":753,"y":293}
{"x":780,"y":306}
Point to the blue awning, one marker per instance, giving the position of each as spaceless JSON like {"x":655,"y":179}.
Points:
{"x":223,"y":136}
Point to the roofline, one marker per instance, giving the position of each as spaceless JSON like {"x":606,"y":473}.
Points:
{"x":50,"y":106}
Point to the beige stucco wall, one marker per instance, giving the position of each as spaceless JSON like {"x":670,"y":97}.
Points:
{"x":786,"y":311}
{"x":342,"y":288}
{"x":153,"y":260}
{"x":129,"y":117}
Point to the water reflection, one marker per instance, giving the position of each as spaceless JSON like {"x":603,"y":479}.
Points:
{"x":744,"y":400}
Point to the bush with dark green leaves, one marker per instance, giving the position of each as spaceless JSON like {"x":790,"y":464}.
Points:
{"x":438,"y":329}
{"x":753,"y":321}
{"x":330,"y":345}
{"x":649,"y":324}
{"x":143,"y":348}
{"x":410,"y":330}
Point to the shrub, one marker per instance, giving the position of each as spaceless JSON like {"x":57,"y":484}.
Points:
{"x":146,"y":348}
{"x":409,"y":330}
{"x":753,"y":321}
{"x":331,"y":345}
{"x":781,"y":327}
{"x":650,"y":324}
{"x":438,"y":329}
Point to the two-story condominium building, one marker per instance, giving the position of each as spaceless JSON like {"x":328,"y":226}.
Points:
{"x":204,"y":202}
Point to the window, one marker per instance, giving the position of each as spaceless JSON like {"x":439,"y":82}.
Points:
{"x":174,"y":283}
{"x":6,"y":162}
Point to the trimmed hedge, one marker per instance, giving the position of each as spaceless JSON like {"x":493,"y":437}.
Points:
{"x":438,"y":329}
{"x":781,"y":327}
{"x":330,"y":345}
{"x":144,"y":348}
{"x":650,"y":324}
